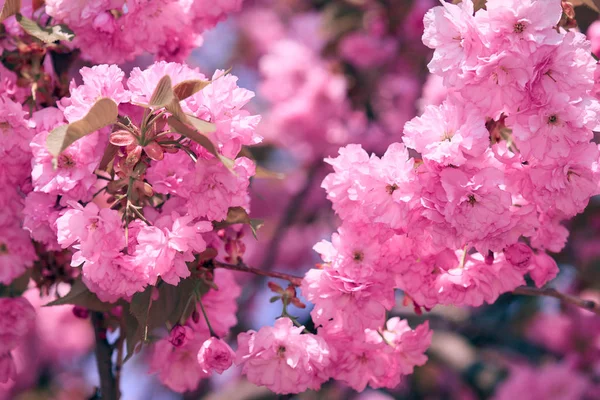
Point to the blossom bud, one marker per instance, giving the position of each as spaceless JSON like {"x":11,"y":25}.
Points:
{"x":180,"y":335}
{"x":81,"y":312}
{"x":542,"y":269}
{"x":215,"y":355}
{"x":196,"y":316}
{"x":519,"y":255}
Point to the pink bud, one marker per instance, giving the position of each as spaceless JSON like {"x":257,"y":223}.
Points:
{"x":215,"y":355}
{"x":81,"y":312}
{"x":154,"y":151}
{"x":196,"y":316}
{"x":122,"y":138}
{"x":519,"y":255}
{"x":543,"y":268}
{"x":180,"y":335}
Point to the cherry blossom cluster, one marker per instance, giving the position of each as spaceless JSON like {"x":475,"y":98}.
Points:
{"x":109,"y":31}
{"x":128,"y":244}
{"x":503,"y":160}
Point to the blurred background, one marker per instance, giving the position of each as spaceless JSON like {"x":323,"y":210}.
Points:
{"x":327,"y":73}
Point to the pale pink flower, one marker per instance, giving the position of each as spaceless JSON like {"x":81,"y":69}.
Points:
{"x":447,"y":134}
{"x":282,"y":358}
{"x":178,"y":367}
{"x":215,"y":355}
{"x":344,"y":306}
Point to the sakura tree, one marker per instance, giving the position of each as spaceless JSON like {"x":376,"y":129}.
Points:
{"x":131,"y":180}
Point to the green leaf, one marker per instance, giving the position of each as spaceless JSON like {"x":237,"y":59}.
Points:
{"x":10,"y":8}
{"x":238,"y":215}
{"x":274,"y":299}
{"x":80,"y":295}
{"x":188,"y":88}
{"x":175,"y":304}
{"x":191,"y":133}
{"x":163,"y":93}
{"x":17,"y":287}
{"x":49,"y":34}
{"x":201,"y":125}
{"x":103,"y":113}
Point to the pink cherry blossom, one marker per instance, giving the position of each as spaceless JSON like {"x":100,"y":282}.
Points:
{"x":283,"y":359}
{"x":215,"y":355}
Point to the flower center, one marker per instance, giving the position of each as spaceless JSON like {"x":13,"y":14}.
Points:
{"x":358,"y":256}
{"x":3,"y":249}
{"x":519,"y":27}
{"x":553,"y":119}
{"x":472,"y":200}
{"x":281,"y":350}
{"x":391,"y":188}
{"x":65,"y":161}
{"x":447,"y":136}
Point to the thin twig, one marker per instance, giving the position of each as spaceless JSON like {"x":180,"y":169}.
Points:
{"x":103,"y":350}
{"x":567,"y":298}
{"x":294,"y":280}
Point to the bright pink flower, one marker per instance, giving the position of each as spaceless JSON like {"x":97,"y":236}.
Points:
{"x":178,"y":367}
{"x":180,"y":334}
{"x":215,"y":355}
{"x":73,"y":177}
{"x":344,"y":306}
{"x":519,"y":255}
{"x":142,"y":82}
{"x":282,"y":358}
{"x":222,"y":103}
{"x":213,"y":188}
{"x":527,"y":24}
{"x":453,"y":32}
{"x":169,"y":174}
{"x":166,"y":246}
{"x":96,"y":233}
{"x":371,"y":360}
{"x":98,"y":81}
{"x":448,"y":134}
{"x":40,"y":215}
{"x":543,"y":268}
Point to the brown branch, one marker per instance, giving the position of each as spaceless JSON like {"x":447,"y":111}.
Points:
{"x":567,"y":298}
{"x":103,"y":350}
{"x":294,"y":280}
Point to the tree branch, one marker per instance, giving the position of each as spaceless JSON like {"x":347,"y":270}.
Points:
{"x":567,"y":298}
{"x":294,"y":280}
{"x":103,"y":350}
